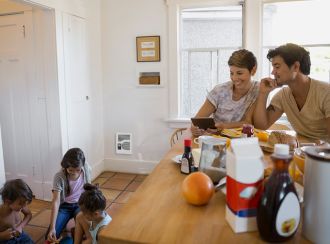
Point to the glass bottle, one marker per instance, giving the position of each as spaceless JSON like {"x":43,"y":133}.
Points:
{"x":187,"y":165}
{"x":278,"y":213}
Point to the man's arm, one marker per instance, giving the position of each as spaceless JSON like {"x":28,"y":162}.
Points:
{"x":263,"y":118}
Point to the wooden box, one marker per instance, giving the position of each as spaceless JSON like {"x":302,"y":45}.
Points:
{"x":149,"y":80}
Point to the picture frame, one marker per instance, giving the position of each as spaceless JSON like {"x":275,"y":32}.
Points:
{"x":148,"y":48}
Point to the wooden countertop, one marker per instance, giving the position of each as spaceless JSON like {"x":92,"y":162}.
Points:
{"x":158,"y":213}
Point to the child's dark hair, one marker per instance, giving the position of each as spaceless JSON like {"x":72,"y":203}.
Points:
{"x":15,"y":189}
{"x":74,"y":158}
{"x":92,"y":199}
{"x":291,"y":53}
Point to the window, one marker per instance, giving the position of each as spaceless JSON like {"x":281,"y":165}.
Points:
{"x":208,"y":37}
{"x":307,"y":27}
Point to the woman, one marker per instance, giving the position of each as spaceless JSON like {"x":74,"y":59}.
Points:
{"x":232,"y":103}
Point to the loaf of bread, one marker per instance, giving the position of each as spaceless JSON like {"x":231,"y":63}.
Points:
{"x":281,"y":137}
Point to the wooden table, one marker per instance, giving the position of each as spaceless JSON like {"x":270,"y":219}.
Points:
{"x":158,"y":213}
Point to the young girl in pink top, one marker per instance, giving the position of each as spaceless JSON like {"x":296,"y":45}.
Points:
{"x":67,"y":188}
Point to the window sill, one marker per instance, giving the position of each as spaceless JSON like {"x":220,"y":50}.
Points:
{"x":178,"y":122}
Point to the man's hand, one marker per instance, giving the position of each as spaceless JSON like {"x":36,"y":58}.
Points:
{"x":267,"y":85}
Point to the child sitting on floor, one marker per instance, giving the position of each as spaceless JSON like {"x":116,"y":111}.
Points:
{"x":92,"y":217}
{"x":67,"y":187}
{"x":16,"y":195}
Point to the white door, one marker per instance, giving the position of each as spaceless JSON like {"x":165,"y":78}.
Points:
{"x":19,"y":99}
{"x":77,"y":82}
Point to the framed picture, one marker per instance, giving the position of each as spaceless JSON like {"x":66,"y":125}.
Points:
{"x":148,"y":48}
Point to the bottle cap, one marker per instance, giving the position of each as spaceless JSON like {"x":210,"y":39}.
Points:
{"x":281,"y":149}
{"x":187,"y":142}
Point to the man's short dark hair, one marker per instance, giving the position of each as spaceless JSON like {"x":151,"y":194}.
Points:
{"x":15,"y":189}
{"x":291,"y":53}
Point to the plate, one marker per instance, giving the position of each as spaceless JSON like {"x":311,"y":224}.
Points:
{"x":299,"y":188}
{"x":177,"y":159}
{"x":237,"y":132}
{"x":232,"y":133}
{"x":265,"y":146}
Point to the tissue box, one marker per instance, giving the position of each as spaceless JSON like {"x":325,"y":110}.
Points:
{"x":245,"y":173}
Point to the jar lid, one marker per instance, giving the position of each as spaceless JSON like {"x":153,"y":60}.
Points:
{"x":187,"y":142}
{"x":319,"y":153}
{"x":281,"y":149}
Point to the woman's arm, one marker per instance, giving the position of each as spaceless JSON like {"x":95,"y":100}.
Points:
{"x":53,"y":215}
{"x":205,"y":111}
{"x":247,"y":119}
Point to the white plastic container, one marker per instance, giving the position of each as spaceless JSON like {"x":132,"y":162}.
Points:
{"x":316,"y":219}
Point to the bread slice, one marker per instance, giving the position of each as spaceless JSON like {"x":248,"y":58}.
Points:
{"x":281,"y":137}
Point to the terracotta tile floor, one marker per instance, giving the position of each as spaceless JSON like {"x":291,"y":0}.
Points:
{"x":116,"y":187}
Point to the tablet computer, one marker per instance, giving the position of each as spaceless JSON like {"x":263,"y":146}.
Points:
{"x":203,"y":122}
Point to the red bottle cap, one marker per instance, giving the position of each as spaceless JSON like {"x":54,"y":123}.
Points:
{"x":187,"y":142}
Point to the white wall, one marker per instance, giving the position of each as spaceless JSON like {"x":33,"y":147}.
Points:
{"x":128,"y":108}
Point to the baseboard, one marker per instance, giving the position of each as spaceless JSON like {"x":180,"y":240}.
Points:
{"x":129,"y":166}
{"x":97,"y":169}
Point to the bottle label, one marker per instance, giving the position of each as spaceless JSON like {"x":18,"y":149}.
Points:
{"x":185,"y":166}
{"x":288,"y":215}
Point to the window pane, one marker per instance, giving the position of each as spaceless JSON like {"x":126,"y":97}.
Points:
{"x":208,"y":37}
{"x":303,"y":22}
{"x":197,"y":81}
{"x":320,"y":59}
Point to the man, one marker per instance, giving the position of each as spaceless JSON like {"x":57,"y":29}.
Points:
{"x":305,"y":101}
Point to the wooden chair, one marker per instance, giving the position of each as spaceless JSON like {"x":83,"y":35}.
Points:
{"x":176,"y":136}
{"x":277,"y":126}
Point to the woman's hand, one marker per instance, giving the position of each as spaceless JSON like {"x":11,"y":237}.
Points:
{"x":220,"y":126}
{"x":196,"y":131}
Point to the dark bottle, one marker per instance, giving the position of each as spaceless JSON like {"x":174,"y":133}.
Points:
{"x":278,"y":213}
{"x":187,"y":165}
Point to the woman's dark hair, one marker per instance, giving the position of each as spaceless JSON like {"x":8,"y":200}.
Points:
{"x":74,"y":158}
{"x":92,"y":199}
{"x":243,"y":59}
{"x":291,"y":53}
{"x":15,"y":189}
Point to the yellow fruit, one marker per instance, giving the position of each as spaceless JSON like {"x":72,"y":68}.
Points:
{"x":197,"y":188}
{"x":262,"y":136}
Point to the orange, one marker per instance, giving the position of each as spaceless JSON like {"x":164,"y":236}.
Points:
{"x":262,"y":136}
{"x":197,"y":188}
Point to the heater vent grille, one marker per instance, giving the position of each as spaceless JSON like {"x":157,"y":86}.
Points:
{"x":123,"y":143}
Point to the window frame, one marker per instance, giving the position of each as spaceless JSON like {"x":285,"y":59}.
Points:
{"x":251,"y":40}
